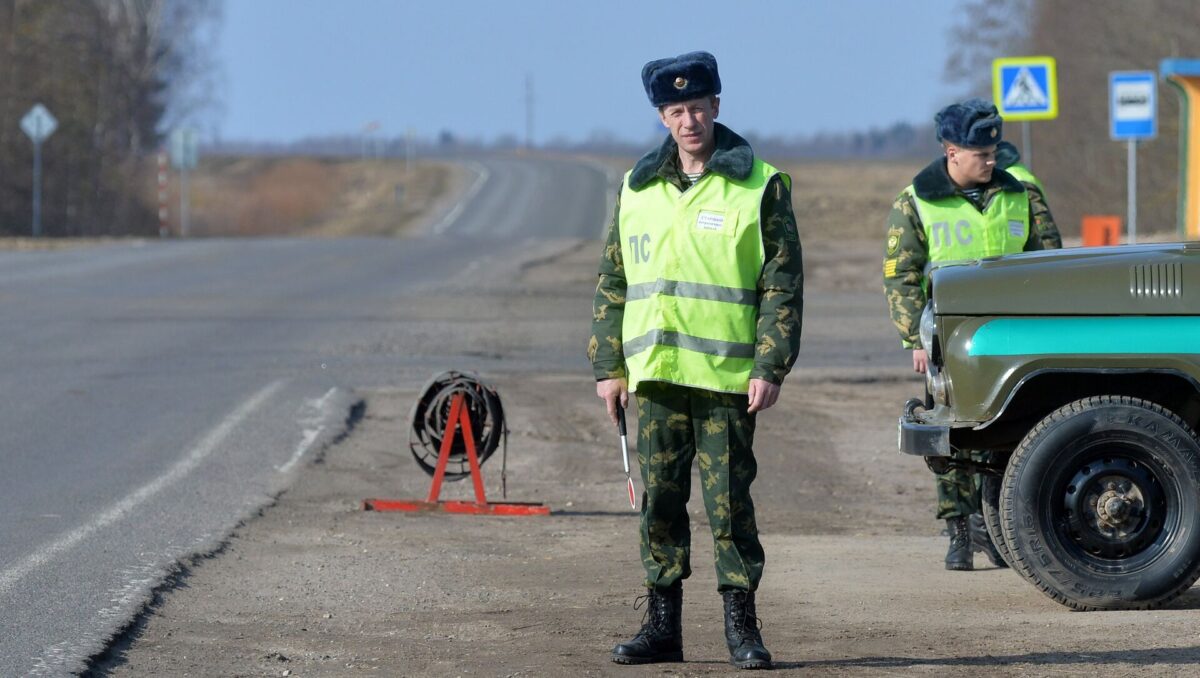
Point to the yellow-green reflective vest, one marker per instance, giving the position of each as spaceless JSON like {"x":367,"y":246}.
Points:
{"x":1021,"y":173}
{"x":692,"y":262}
{"x":955,"y":229}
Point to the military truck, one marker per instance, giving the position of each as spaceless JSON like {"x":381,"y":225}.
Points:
{"x":1077,"y":374}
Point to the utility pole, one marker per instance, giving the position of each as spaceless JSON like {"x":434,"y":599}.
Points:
{"x":528,"y":112}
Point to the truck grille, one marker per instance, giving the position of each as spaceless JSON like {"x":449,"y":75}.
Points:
{"x":1156,"y":281}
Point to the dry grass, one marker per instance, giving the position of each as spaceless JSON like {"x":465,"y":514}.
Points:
{"x":305,"y":196}
{"x":27,"y":244}
{"x":846,"y":200}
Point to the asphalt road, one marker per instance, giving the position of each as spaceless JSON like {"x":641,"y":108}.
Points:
{"x":154,"y":394}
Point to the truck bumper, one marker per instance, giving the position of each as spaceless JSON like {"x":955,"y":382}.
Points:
{"x":919,"y":438}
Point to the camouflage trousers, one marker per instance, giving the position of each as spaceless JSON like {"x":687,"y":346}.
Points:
{"x":958,"y":491}
{"x":675,"y":425}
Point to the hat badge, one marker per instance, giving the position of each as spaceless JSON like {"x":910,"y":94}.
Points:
{"x":994,"y":132}
{"x":680,"y":82}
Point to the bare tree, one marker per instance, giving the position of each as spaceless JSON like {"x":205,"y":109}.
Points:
{"x":110,"y":70}
{"x":983,"y":31}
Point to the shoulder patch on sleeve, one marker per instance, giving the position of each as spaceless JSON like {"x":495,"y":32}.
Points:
{"x":893,"y":240}
{"x":889,"y":268}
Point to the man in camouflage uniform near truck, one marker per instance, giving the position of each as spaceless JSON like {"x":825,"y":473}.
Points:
{"x":961,"y":206}
{"x":1008,"y":158}
{"x":697,"y":311}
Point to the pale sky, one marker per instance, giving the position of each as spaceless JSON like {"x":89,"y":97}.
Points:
{"x":298,"y":68}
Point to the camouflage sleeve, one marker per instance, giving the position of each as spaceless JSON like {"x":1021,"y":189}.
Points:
{"x":1044,"y":232}
{"x":780,"y":287}
{"x":906,"y":253}
{"x":608,"y":307}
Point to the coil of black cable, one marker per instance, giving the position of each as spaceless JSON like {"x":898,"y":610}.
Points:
{"x":432,"y":410}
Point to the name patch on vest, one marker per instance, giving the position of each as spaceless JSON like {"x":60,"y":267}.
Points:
{"x":1016,"y":228}
{"x":710,"y":221}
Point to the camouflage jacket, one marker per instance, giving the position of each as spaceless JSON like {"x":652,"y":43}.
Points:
{"x":780,"y":284}
{"x":906,"y":251}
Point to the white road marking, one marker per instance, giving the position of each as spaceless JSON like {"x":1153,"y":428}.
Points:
{"x":320,"y":413}
{"x":452,"y":216}
{"x":207,"y":445}
{"x":306,"y":441}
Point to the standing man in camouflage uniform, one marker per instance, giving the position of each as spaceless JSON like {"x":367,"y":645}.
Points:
{"x":1008,"y":158}
{"x":697,"y":311}
{"x":959,"y":207}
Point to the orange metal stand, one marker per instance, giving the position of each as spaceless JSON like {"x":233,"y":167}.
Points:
{"x":458,"y":423}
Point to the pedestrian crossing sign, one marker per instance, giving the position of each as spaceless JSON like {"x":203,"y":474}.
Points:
{"x":1025,"y":88}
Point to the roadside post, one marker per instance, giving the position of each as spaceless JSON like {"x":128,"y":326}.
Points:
{"x":38,"y":124}
{"x":1025,"y":89}
{"x":163,"y":178}
{"x":1183,"y":75}
{"x":1132,"y":116}
{"x":184,"y":157}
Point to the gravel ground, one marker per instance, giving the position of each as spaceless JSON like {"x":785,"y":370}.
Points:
{"x":854,"y":583}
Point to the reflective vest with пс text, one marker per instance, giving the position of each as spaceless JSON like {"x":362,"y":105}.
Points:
{"x":955,"y":229}
{"x":692,"y":263}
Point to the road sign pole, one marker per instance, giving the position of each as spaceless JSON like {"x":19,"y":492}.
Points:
{"x":37,"y":189}
{"x":1025,"y":89}
{"x":1132,"y":116}
{"x":1132,"y":190}
{"x":1026,"y":144}
{"x":184,"y":155}
{"x":38,"y":124}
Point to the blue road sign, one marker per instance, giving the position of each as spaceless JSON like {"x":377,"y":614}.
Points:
{"x":1132,"y":105}
{"x":1025,"y":88}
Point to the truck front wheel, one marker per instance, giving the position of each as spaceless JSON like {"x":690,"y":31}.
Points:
{"x":992,"y":519}
{"x":1100,"y":505}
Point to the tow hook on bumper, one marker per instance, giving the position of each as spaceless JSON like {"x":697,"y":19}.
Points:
{"x":920,"y":439}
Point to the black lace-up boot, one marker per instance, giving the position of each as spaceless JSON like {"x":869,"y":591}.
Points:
{"x":661,"y":636}
{"x":981,"y":541}
{"x":959,"y":556}
{"x":746,"y":649}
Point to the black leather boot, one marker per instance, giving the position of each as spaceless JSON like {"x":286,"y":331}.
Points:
{"x":981,"y":541}
{"x":661,"y":636}
{"x":746,"y":649}
{"x":959,"y":556}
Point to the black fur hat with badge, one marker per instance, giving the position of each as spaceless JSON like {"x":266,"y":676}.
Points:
{"x":682,"y":78}
{"x":974,"y":123}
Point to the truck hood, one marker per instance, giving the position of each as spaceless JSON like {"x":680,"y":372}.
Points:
{"x":1158,"y":279}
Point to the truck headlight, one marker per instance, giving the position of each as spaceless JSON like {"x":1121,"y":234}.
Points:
{"x":926,"y":328}
{"x":935,"y":383}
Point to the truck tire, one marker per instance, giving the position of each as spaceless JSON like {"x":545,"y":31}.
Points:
{"x":990,"y":503}
{"x":1100,"y":505}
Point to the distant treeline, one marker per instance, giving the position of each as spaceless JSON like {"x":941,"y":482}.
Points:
{"x":112,"y":72}
{"x":901,"y":140}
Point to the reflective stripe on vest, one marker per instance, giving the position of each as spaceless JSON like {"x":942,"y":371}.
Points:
{"x":955,"y":229}
{"x":692,"y":261}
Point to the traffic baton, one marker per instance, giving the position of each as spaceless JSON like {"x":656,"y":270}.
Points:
{"x":625,"y":455}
